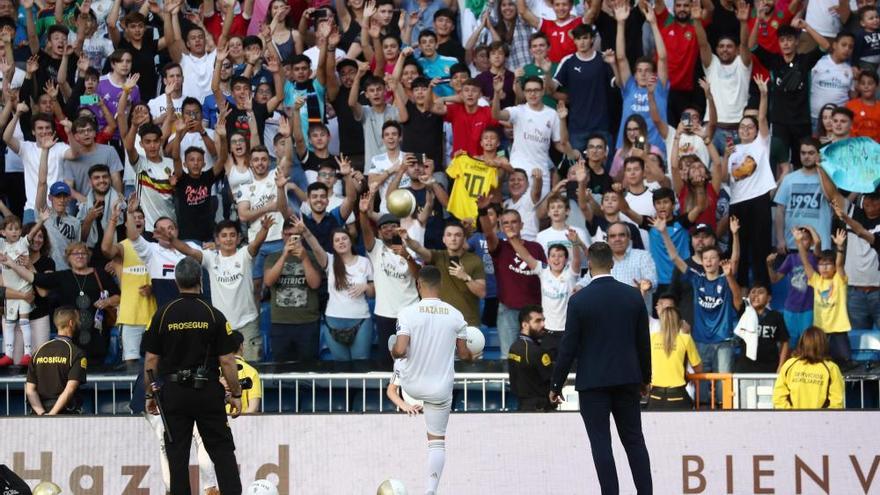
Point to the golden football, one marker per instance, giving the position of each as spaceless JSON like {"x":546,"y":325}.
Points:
{"x":401,"y":203}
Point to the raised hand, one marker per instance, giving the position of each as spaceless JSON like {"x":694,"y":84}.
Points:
{"x":771,"y":258}
{"x":47,"y":142}
{"x":344,"y":164}
{"x":267,"y":222}
{"x":734,"y":225}
{"x":798,"y":23}
{"x":839,"y":238}
{"x":572,"y":237}
{"x":561,"y":110}
{"x":798,"y":234}
{"x":644,"y":286}
{"x":608,"y":56}
{"x":743,"y":11}
{"x":498,"y":84}
{"x":728,"y":268}
{"x":659,"y":224}
{"x":761,"y":82}
{"x":621,"y":11}
{"x":33,"y":64}
{"x":284,"y":124}
{"x":131,"y":81}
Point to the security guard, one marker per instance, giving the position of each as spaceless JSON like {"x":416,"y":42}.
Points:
{"x":184,"y":342}
{"x":57,"y":369}
{"x":530,"y":367}
{"x":248,"y":378}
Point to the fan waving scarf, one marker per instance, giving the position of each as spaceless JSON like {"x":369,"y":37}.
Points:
{"x":853,"y":164}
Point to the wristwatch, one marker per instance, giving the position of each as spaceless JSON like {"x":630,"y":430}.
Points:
{"x":236,"y":396}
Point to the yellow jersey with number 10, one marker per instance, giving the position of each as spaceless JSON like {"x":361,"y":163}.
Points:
{"x":473,"y":178}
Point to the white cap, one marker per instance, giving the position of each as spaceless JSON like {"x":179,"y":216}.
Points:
{"x":261,"y":487}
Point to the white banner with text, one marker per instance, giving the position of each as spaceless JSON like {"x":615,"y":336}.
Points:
{"x":486,"y":453}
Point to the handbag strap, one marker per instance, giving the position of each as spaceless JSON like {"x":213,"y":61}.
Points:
{"x":100,"y":285}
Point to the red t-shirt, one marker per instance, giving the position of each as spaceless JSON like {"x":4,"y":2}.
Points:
{"x":708,"y":215}
{"x":867,"y":119}
{"x":467,"y":127}
{"x":768,"y":37}
{"x":214,"y":25}
{"x":516,"y":286}
{"x":682,"y":50}
{"x":561,"y":42}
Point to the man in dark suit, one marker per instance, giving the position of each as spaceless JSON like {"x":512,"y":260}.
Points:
{"x":607,"y":330}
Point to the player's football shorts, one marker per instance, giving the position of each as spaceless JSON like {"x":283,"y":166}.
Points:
{"x":437,"y":417}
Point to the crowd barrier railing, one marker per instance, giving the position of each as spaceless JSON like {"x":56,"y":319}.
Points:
{"x":110,"y":394}
{"x":726,"y":389}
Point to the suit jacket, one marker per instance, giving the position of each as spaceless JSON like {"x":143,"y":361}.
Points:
{"x":607,"y":331}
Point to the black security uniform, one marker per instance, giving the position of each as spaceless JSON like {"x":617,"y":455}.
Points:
{"x":530,"y":369}
{"x":189,"y":334}
{"x":53,"y":365}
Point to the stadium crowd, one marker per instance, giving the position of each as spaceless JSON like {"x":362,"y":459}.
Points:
{"x":267,"y":139}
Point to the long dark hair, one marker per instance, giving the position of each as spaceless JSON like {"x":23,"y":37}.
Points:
{"x":504,"y":31}
{"x":46,"y":248}
{"x":643,"y":129}
{"x":339,"y":271}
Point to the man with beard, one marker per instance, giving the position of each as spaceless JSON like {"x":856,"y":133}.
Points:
{"x":679,"y":36}
{"x":728,"y":75}
{"x":800,"y":202}
{"x":529,"y":366}
{"x":95,"y":211}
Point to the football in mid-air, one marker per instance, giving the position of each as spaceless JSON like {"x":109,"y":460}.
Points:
{"x":401,"y":203}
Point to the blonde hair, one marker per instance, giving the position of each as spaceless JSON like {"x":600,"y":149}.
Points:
{"x":76,"y":246}
{"x":670,"y":326}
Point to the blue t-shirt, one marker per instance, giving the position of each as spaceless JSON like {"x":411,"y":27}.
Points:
{"x":439,"y":66}
{"x":210,"y":110}
{"x":713,"y":307}
{"x":292,"y":92}
{"x":478,"y":245}
{"x":635,"y":101}
{"x":681,"y":239}
{"x":801,"y":195}
{"x":587,"y":83}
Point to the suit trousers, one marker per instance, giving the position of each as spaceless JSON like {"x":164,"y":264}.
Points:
{"x":621,"y":401}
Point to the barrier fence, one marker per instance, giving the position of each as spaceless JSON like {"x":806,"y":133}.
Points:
{"x":473,"y":392}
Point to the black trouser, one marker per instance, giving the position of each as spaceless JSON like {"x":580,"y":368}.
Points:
{"x":12,"y":191}
{"x":490,"y":312}
{"x":623,"y":402}
{"x":206,"y":408}
{"x":295,"y":341}
{"x":385,"y":327}
{"x":754,"y":238}
{"x":550,"y":343}
{"x":670,"y":399}
{"x":791,"y":135}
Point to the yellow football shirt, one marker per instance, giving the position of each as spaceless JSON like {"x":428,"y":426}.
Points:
{"x":473,"y":179}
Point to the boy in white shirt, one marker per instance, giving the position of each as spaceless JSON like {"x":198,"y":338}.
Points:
{"x":558,"y":279}
{"x":229,"y":270}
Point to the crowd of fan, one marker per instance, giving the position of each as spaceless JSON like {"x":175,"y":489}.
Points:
{"x":264,"y":138}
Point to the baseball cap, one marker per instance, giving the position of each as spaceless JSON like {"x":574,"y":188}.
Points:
{"x":388,"y":218}
{"x":59,"y":188}
{"x":346,"y":62}
{"x":704,"y":229}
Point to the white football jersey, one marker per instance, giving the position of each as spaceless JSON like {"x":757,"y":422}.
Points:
{"x":432,"y":326}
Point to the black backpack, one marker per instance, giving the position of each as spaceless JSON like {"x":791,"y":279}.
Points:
{"x":11,"y":483}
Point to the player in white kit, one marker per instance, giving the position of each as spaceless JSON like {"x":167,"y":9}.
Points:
{"x":428,"y":335}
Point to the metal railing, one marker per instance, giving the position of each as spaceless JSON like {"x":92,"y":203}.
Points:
{"x":365,"y":392}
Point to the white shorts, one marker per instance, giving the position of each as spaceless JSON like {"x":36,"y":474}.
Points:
{"x":437,"y":417}
{"x":17,"y":307}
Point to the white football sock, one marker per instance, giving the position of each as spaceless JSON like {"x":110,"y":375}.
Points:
{"x":8,"y":337}
{"x":25,"y":325}
{"x":436,"y":459}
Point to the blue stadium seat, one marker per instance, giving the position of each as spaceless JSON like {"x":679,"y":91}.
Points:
{"x":865,"y":345}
